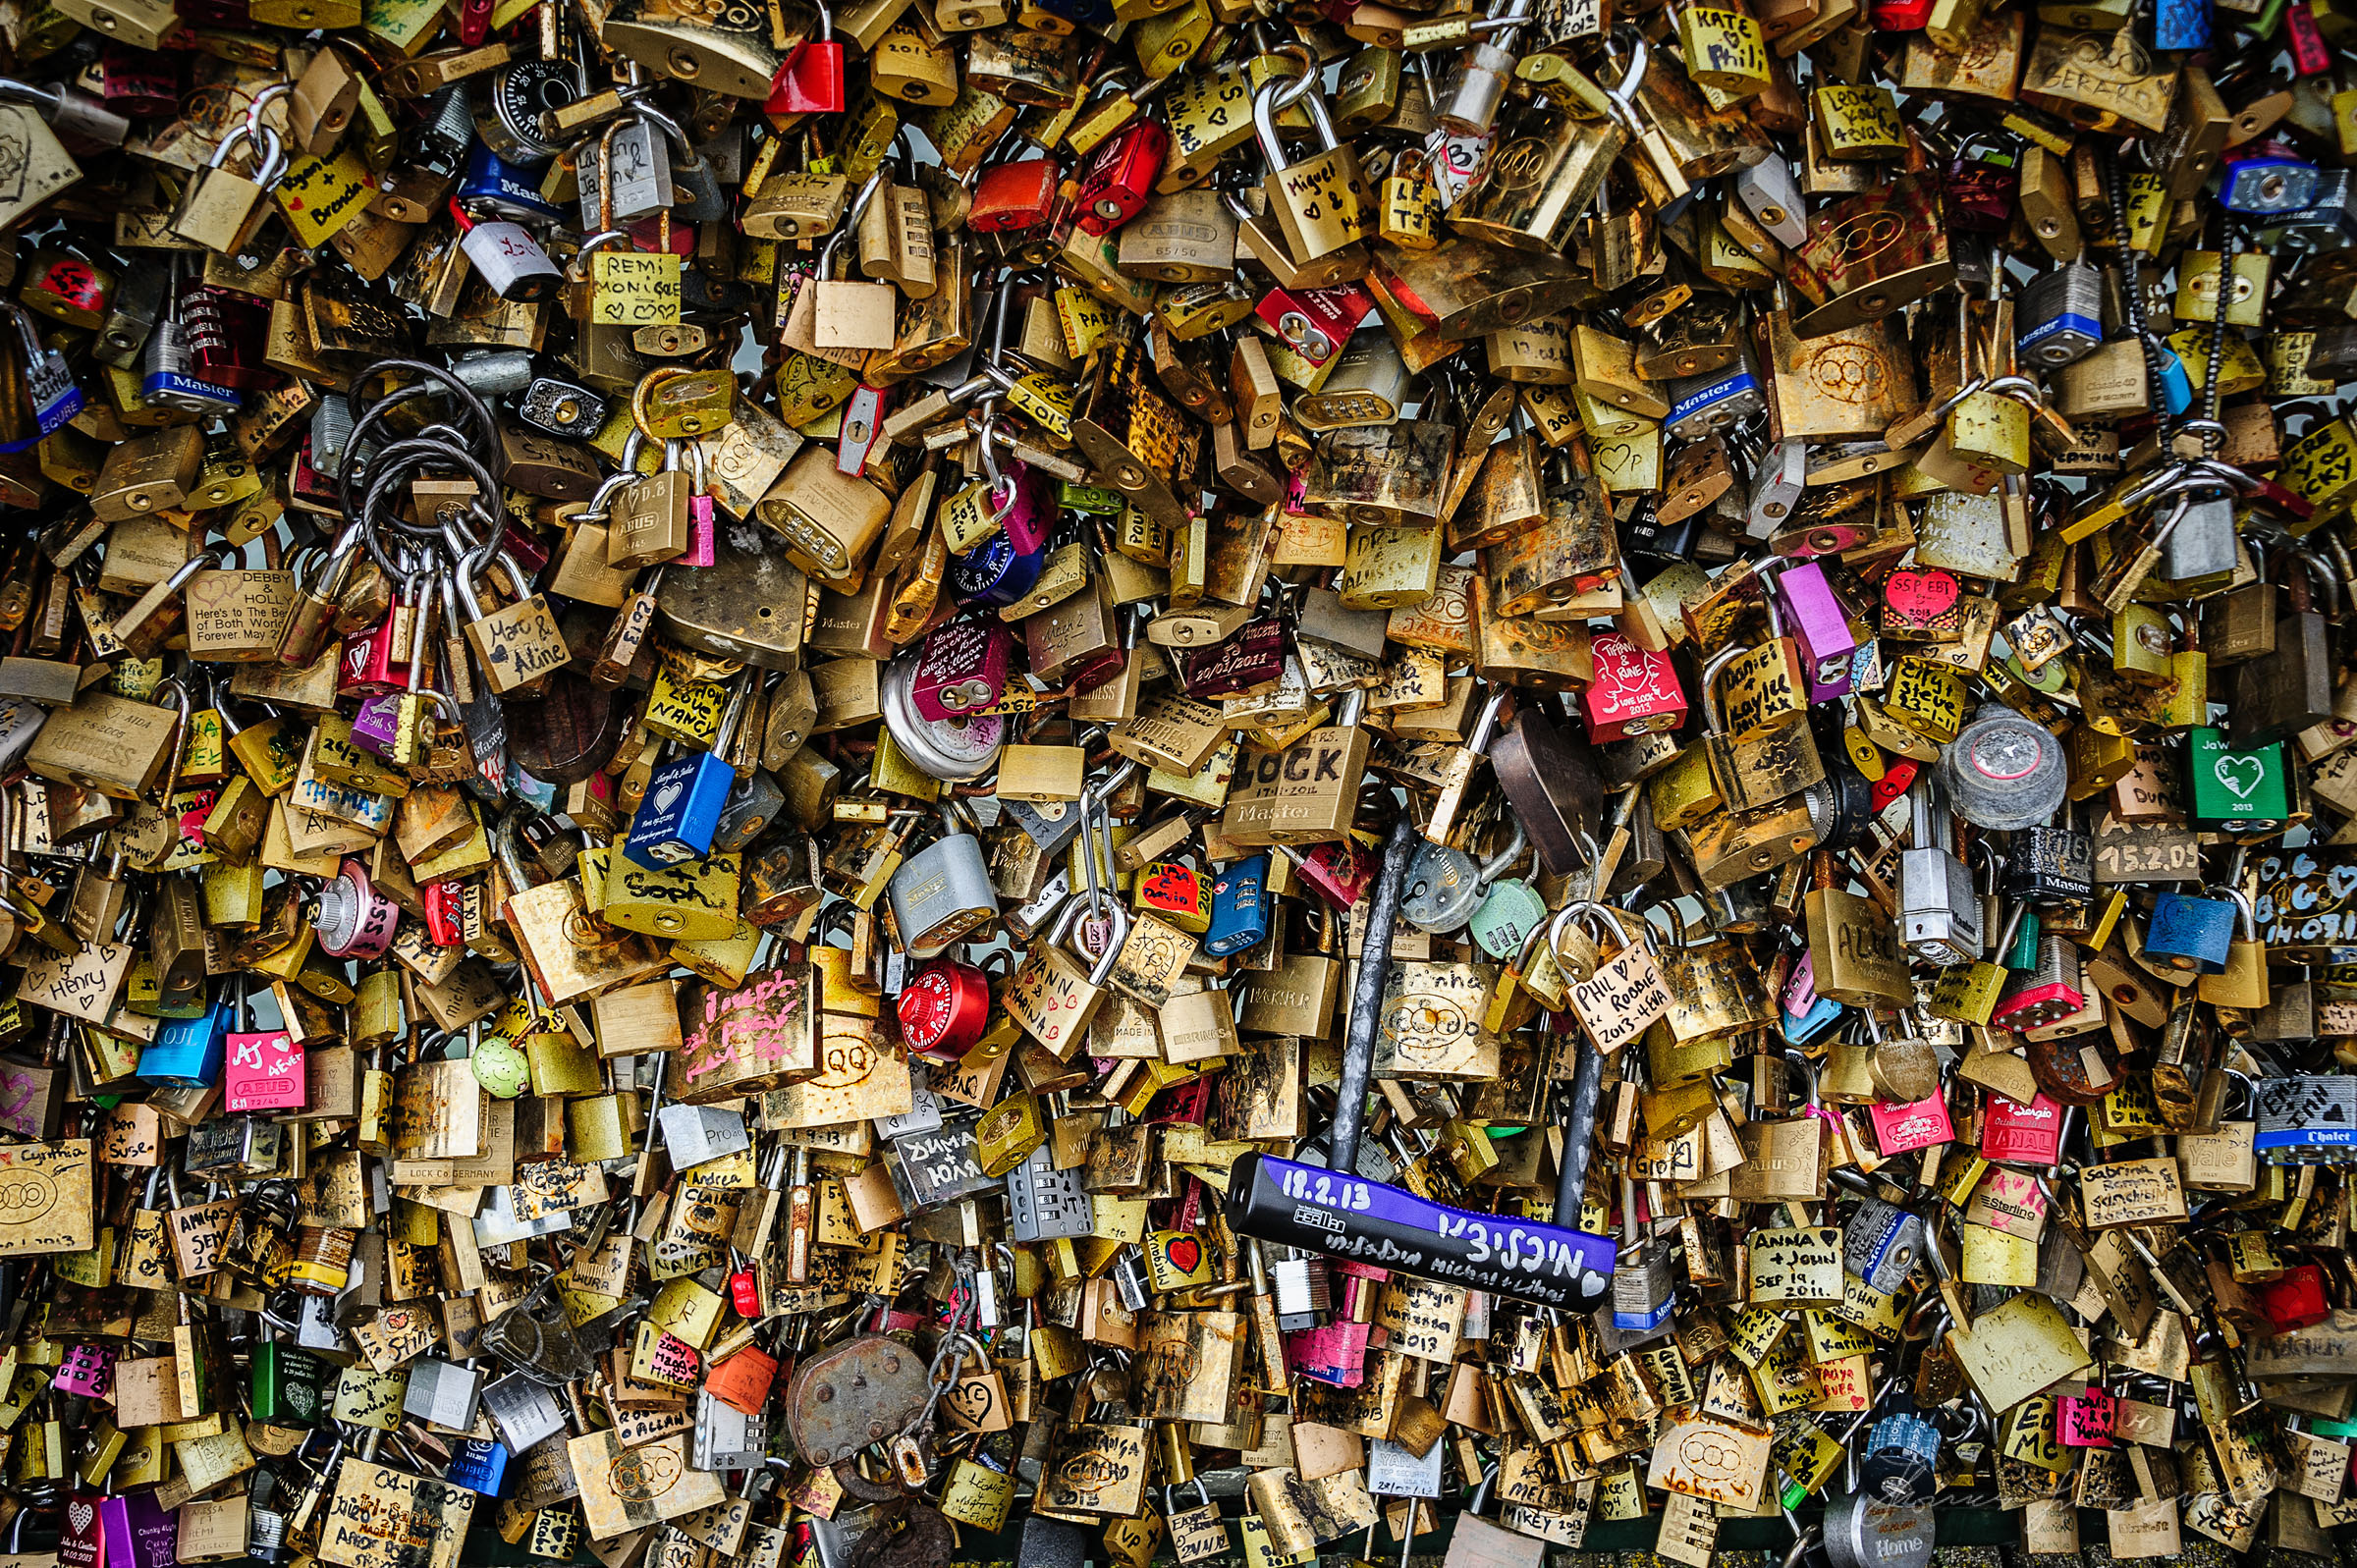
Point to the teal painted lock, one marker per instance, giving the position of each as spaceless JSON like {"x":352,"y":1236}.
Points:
{"x":2022,"y":953}
{"x":1508,"y":916}
{"x":2241,"y":787}
{"x":2190,"y":934}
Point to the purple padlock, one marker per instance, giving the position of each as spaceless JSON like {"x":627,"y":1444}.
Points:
{"x":377,"y":725}
{"x":1820,"y":630}
{"x":88,"y":1370}
{"x":699,"y":510}
{"x":1033,"y":512}
{"x":139,"y":1532}
{"x":962,"y":669}
{"x":699,"y":551}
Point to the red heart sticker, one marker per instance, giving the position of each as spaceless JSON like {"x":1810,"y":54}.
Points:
{"x":1184,"y":1251}
{"x":1922,"y":597}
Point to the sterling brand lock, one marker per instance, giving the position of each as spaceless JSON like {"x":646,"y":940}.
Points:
{"x":500,"y":915}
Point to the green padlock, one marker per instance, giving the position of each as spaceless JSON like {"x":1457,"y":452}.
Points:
{"x":2244,"y":787}
{"x":287,"y":1386}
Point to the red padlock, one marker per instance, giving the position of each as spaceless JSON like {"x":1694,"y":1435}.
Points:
{"x":1014,"y":195}
{"x":446,"y":912}
{"x":1336,"y":871}
{"x":139,"y":83}
{"x":1315,"y":323}
{"x":1898,"y":773}
{"x":744,"y":1294}
{"x":1118,"y":177}
{"x":2296,"y":1301}
{"x":2311,"y":56}
{"x":944,"y":1009}
{"x":228,"y":336}
{"x":1900,"y":16}
{"x":810,"y":79}
{"x":370,"y":669}
{"x":962,"y":668}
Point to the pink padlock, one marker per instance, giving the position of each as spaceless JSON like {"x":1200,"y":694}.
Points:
{"x":1900,"y":1129}
{"x":261,"y":1069}
{"x":2085,"y":1419}
{"x":1635,"y":691}
{"x":1333,"y":1353}
{"x":88,"y":1370}
{"x":1820,"y":630}
{"x":2022,"y":1135}
{"x":700,"y":542}
{"x":962,"y":668}
{"x":1033,"y":512}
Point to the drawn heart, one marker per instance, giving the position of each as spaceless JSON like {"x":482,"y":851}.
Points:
{"x":82,"y":1513}
{"x":1184,"y":1251}
{"x":2340,"y":882}
{"x":1920,"y":596}
{"x":2240,"y":774}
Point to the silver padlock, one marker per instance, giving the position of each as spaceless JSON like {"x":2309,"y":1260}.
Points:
{"x":442,"y":1394}
{"x":2204,"y":542}
{"x":494,"y":372}
{"x":642,"y":169}
{"x":2061,"y":315}
{"x":510,"y":102}
{"x":524,"y":1411}
{"x":1444,"y":886}
{"x":694,"y":1134}
{"x":1642,"y":1292}
{"x":508,"y":259}
{"x":1770,"y":193}
{"x":1880,"y":1244}
{"x":48,"y":385}
{"x":1044,"y":1204}
{"x":726,"y":1438}
{"x":1476,"y":83}
{"x":943,"y":892}
{"x":1777,"y":482}
{"x":331,"y":432}
{"x":1940,"y":910}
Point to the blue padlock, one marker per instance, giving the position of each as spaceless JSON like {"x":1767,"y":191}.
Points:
{"x":477,"y":1464}
{"x":995,"y":572}
{"x":1901,"y":1451}
{"x":1802,"y":1027}
{"x":492,"y":185}
{"x":1714,"y":400}
{"x":2181,"y":25}
{"x":186,"y":1053}
{"x":2190,"y":932}
{"x":1239,"y":909}
{"x":2260,"y":187}
{"x":1879,"y":1243}
{"x":680,"y":812}
{"x":2176,"y":387}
